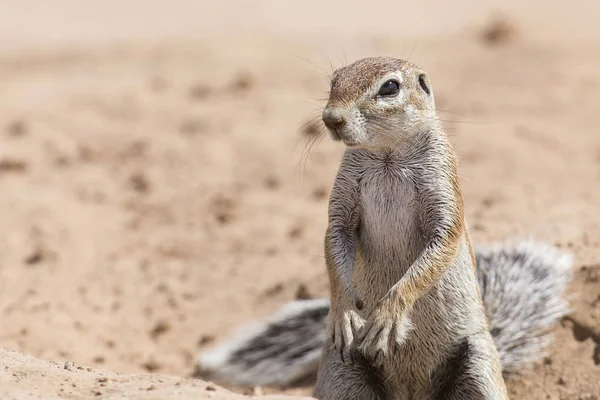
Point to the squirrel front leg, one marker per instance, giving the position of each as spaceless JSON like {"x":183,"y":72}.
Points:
{"x":340,"y":253}
{"x":442,"y":219}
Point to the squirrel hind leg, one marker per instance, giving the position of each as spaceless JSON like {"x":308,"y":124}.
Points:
{"x":349,"y":381}
{"x":471,"y":372}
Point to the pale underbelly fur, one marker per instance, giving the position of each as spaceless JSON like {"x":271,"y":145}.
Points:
{"x":390,"y":240}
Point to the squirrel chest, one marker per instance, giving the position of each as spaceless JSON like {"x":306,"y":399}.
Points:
{"x":390,"y":237}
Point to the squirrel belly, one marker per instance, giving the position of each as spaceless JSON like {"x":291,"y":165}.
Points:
{"x":522,"y":287}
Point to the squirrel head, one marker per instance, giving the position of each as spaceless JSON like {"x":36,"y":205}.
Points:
{"x":379,"y":102}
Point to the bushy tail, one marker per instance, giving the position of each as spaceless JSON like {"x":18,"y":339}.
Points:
{"x":522,"y":289}
{"x":281,"y":351}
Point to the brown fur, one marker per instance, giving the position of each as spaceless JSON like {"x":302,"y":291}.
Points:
{"x":397,"y":212}
{"x":350,"y":82}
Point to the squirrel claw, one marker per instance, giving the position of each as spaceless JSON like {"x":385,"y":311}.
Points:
{"x":343,"y":331}
{"x":378,"y":360}
{"x":383,"y":334}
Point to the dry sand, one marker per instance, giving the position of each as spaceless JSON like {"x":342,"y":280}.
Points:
{"x":157,"y":192}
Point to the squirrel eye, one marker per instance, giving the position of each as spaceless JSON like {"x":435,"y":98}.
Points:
{"x":389,"y":88}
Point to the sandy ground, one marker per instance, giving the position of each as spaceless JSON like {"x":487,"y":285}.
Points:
{"x":26,"y":378}
{"x":158,"y":191}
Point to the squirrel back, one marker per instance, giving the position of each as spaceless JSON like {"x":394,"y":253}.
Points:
{"x":522,"y":288}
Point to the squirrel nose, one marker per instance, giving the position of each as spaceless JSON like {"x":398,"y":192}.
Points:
{"x":333,"y":118}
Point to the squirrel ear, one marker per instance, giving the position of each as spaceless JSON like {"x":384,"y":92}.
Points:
{"x":424,"y":83}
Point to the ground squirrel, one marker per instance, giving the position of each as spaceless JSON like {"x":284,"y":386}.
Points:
{"x":411,"y":317}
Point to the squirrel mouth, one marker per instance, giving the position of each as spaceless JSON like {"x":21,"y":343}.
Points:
{"x":334,"y":135}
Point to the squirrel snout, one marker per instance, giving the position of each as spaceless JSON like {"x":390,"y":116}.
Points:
{"x":333,"y":118}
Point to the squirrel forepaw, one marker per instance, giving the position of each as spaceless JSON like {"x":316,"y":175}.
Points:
{"x":343,"y":329}
{"x":384,"y":331}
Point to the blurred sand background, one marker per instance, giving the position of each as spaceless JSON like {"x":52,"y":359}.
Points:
{"x":157,"y":192}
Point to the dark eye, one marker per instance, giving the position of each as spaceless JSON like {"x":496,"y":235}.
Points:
{"x":390,"y":88}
